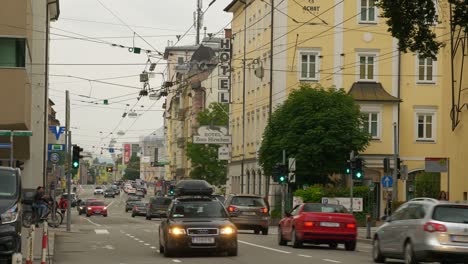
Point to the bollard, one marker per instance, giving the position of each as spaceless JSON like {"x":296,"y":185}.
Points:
{"x":44,"y":244}
{"x":17,"y":258}
{"x":30,"y":254}
{"x":368,"y":226}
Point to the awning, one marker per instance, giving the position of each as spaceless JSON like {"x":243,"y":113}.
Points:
{"x":371,"y":92}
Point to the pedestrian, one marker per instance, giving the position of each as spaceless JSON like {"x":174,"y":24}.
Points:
{"x":443,"y":196}
{"x":63,"y":204}
{"x":40,"y":202}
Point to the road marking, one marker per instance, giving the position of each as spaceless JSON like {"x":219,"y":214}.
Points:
{"x":109,"y":247}
{"x":269,"y":248}
{"x":141,"y":241}
{"x":176,"y":260}
{"x":305,"y":256}
{"x":101,"y":231}
{"x":110,"y":204}
{"x":146,"y":244}
{"x":91,"y":221}
{"x":331,"y":260}
{"x":363,"y":251}
{"x":153,"y":248}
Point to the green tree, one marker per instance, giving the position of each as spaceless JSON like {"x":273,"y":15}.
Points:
{"x":412,"y":23}
{"x":319,"y":127}
{"x":427,"y":184}
{"x":204,"y":157}
{"x":132,"y":172}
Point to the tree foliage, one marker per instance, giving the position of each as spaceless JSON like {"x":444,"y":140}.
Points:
{"x":319,"y":127}
{"x":132,"y":172}
{"x":205,"y":163}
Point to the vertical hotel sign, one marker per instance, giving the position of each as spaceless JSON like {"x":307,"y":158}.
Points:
{"x":224,"y":71}
{"x":127,"y":153}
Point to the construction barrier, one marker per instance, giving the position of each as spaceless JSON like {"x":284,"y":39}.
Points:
{"x":44,"y":243}
{"x":30,"y":254}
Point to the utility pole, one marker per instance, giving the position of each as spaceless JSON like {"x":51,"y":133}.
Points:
{"x":395,"y":161}
{"x":69,"y":160}
{"x":243,"y":98}
{"x":283,"y":188}
{"x":198,"y":20}
{"x":351,"y":182}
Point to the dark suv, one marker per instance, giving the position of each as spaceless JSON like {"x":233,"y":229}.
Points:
{"x":196,"y":221}
{"x":10,"y":223}
{"x":157,"y":207}
{"x":248,"y":212}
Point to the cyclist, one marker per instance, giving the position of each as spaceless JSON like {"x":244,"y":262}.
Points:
{"x":41,"y":202}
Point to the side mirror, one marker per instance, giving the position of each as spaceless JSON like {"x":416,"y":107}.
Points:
{"x":287,"y":214}
{"x":386,"y":218}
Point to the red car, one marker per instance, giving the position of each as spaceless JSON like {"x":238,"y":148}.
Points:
{"x":96,"y":207}
{"x":318,"y":224}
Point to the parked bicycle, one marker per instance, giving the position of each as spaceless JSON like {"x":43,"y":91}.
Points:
{"x":30,"y":215}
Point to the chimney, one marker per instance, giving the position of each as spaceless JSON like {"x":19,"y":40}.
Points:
{"x":228,"y":33}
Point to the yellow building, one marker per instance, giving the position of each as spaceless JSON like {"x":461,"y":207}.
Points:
{"x":344,"y":44}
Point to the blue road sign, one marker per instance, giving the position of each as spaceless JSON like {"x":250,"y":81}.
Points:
{"x":387,"y":181}
{"x":5,"y":145}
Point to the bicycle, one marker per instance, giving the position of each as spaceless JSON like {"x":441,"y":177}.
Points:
{"x":54,"y":217}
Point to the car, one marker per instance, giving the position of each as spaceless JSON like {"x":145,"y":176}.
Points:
{"x":96,"y":207}
{"x":220,"y":197}
{"x":139,"y":208}
{"x":130,"y":201}
{"x":131,"y":191}
{"x":73,"y":198}
{"x":98,"y":190}
{"x":196,"y":222}
{"x":424,"y":230}
{"x":140,"y":194}
{"x":116,"y":189}
{"x":82,"y":205}
{"x":157,"y":207}
{"x":249,"y":212}
{"x":109,"y":193}
{"x":316,"y":223}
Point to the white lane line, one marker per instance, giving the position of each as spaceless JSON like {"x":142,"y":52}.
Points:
{"x":146,"y":244}
{"x":109,"y":247}
{"x":141,"y":241}
{"x":91,"y":222}
{"x":269,"y":248}
{"x":109,"y":205}
{"x":101,"y":231}
{"x":176,"y":260}
{"x":331,"y":260}
{"x":305,"y":256}
{"x":366,"y":251}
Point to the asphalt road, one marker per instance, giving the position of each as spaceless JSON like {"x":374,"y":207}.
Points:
{"x":121,"y":239}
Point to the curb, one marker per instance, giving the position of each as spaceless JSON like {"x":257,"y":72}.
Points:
{"x":364,"y":241}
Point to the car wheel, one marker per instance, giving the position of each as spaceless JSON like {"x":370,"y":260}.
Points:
{"x":133,"y":215}
{"x":256,"y":231}
{"x":376,"y":253}
{"x":161,"y":249}
{"x":104,"y":215}
{"x":350,"y":245}
{"x":281,"y":240}
{"x":333,"y":245}
{"x":87,"y":215}
{"x":168,"y":252}
{"x":148,"y":217}
{"x":295,"y":242}
{"x":265,"y":231}
{"x":409,"y":254}
{"x":232,"y":252}
{"x":126,"y":210}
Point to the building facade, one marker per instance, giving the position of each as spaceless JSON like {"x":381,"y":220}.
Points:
{"x":23,"y":70}
{"x":341,"y":44}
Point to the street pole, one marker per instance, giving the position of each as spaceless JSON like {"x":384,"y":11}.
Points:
{"x":351,"y":184}
{"x":11,"y":149}
{"x":69,"y":161}
{"x":283,"y":189}
{"x":198,"y":21}
{"x":395,"y":165}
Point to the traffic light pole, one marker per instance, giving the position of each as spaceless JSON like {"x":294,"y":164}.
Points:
{"x":283,"y":189}
{"x":69,"y":159}
{"x":351,"y":184}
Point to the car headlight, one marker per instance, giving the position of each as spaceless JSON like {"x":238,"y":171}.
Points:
{"x":105,"y":208}
{"x":89,"y":208}
{"x":177,"y":231}
{"x":227,"y":231}
{"x":10,"y":216}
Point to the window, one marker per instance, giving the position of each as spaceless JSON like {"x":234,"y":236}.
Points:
{"x":372,"y":124}
{"x":367,"y":67}
{"x":12,"y":52}
{"x":425,"y":126}
{"x":425,"y":69}
{"x":309,"y":62}
{"x":367,"y":11}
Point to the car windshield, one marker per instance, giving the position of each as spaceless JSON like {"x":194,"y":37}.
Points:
{"x":451,"y":214}
{"x":139,"y":204}
{"x":324,"y":208}
{"x":96,"y":203}
{"x":8,"y":186}
{"x":99,"y":187}
{"x":133,"y":199}
{"x":248,"y":201}
{"x":114,"y":187}
{"x":198,"y":209}
{"x":161,"y":201}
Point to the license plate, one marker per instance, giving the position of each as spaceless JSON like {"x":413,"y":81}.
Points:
{"x":328,"y":224}
{"x":203,"y":240}
{"x":97,"y":212}
{"x":463,"y":239}
{"x":248,"y":213}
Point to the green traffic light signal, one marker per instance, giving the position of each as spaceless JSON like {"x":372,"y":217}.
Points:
{"x":282,"y":179}
{"x":348,"y":170}
{"x":76,"y":164}
{"x":358,"y":175}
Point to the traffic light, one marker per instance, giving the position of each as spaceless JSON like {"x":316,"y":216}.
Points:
{"x":279,"y":173}
{"x":386,"y":165}
{"x":398,"y":168}
{"x":348,"y":168}
{"x":358,"y":172}
{"x":76,"y":156}
{"x":109,"y":169}
{"x":171,"y":190}
{"x":283,"y":179}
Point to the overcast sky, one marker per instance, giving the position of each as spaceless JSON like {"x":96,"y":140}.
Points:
{"x":84,"y":34}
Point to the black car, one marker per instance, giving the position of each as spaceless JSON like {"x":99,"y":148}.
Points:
{"x":10,"y":210}
{"x":140,"y":194}
{"x":157,"y":207}
{"x":109,"y":193}
{"x":130,"y":202}
{"x":116,"y":189}
{"x":139,"y":208}
{"x":196,"y":221}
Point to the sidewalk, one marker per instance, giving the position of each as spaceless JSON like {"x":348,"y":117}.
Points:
{"x":362,"y":235}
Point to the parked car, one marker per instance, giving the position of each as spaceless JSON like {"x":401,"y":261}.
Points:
{"x":82,"y":205}
{"x":139,"y":208}
{"x":109,"y":193}
{"x":157,"y":207}
{"x":318,"y":224}
{"x":424,"y":230}
{"x":248,"y":212}
{"x":130,"y":201}
{"x":96,"y":207}
{"x":140,"y":194}
{"x":98,"y":190}
{"x":73,"y":198}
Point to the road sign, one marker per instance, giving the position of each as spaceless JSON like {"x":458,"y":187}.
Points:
{"x":224,"y":153}
{"x":17,"y":133}
{"x":54,"y":157}
{"x":292,"y":164}
{"x":56,"y":147}
{"x":387,"y":181}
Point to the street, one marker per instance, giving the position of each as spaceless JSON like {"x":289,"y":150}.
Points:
{"x":119,"y":238}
